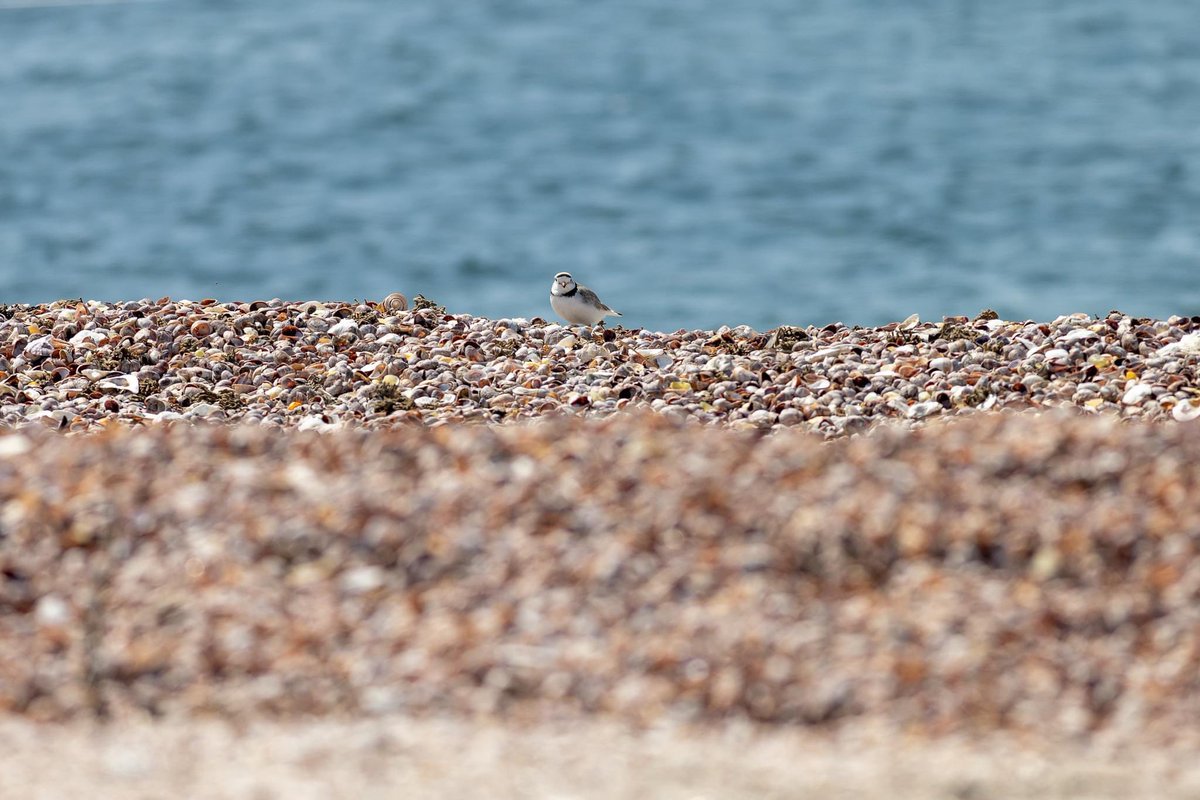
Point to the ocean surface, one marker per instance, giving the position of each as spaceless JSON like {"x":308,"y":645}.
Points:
{"x":697,"y":162}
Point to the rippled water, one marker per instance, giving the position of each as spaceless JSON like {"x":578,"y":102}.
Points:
{"x":698,"y":162}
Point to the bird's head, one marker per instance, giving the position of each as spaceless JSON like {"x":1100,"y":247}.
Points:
{"x":563,"y":282}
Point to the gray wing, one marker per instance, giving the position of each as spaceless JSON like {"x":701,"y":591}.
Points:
{"x":591,"y":299}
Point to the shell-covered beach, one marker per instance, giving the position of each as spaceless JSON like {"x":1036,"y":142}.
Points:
{"x":78,"y":366}
{"x":262,"y":513}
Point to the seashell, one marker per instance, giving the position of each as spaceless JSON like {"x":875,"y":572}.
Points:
{"x":1186,"y":411}
{"x":121,"y":383}
{"x":313,"y":422}
{"x":590,"y":352}
{"x":923,"y":410}
{"x":743,"y":375}
{"x":394,"y":303}
{"x":942,"y":364}
{"x":201,"y":328}
{"x":1136,"y":393}
{"x":205,"y":410}
{"x":1187,"y":345}
{"x":829,"y":352}
{"x":1032,"y":382}
{"x":1079,"y":335}
{"x":344,"y":328}
{"x":720,"y":364}
{"x":791,"y":416}
{"x":762,"y":418}
{"x":41,"y":347}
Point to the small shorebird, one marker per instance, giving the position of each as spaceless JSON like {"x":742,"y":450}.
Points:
{"x":576,"y":303}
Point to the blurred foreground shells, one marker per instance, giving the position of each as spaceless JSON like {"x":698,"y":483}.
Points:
{"x":1029,"y":572}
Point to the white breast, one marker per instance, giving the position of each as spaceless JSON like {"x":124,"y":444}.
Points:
{"x":575,"y":311}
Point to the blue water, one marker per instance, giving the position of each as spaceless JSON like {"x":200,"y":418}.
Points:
{"x":698,"y":162}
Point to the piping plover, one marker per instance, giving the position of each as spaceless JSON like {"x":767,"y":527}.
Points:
{"x":577,"y":304}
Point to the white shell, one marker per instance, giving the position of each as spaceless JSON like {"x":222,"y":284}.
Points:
{"x":923,"y":410}
{"x":835,"y":350}
{"x":589,"y":352}
{"x":1186,"y":411}
{"x":315,"y":423}
{"x":942,"y":364}
{"x":89,"y":337}
{"x":122,"y":383}
{"x":14,"y":445}
{"x":41,"y":347}
{"x":1137,"y":393}
{"x":1188,"y":345}
{"x":1079,"y":334}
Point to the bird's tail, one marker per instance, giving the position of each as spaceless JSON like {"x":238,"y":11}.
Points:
{"x":614,"y":312}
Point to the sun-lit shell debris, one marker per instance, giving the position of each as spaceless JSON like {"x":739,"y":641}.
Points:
{"x":1023,"y":571}
{"x":78,"y":366}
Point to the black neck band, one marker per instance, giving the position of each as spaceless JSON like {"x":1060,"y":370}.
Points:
{"x":571,"y":293}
